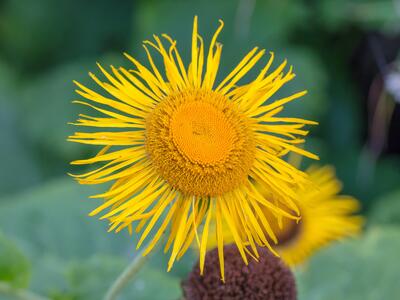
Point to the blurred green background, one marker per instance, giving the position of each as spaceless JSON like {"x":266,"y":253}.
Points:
{"x":344,"y":53}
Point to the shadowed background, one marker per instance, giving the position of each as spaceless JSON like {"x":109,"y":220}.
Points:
{"x":344,"y":52}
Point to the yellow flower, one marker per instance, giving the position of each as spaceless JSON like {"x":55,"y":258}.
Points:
{"x":182,"y":150}
{"x":326,"y":217}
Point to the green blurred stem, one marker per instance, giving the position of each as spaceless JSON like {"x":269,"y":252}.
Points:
{"x":8,"y":290}
{"x":131,"y":270}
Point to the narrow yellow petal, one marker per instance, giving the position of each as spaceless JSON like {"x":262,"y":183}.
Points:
{"x":233,"y":229}
{"x":204,"y":239}
{"x":220,"y":240}
{"x":194,"y":62}
{"x":179,"y":238}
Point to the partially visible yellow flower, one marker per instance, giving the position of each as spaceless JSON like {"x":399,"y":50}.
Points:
{"x":326,"y":217}
{"x":182,"y":150}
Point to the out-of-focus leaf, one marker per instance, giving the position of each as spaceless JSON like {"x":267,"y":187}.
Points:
{"x":35,"y":35}
{"x":340,"y":128}
{"x":19,"y":170}
{"x":17,"y":162}
{"x":364,"y":177}
{"x":371,"y":14}
{"x":360,"y":269}
{"x":54,"y":219}
{"x":342,"y":123}
{"x":387,"y":175}
{"x":51,"y":225}
{"x":14,"y":266}
{"x":48,"y":276}
{"x":386,"y":209}
{"x":273,"y":22}
{"x":90,"y":279}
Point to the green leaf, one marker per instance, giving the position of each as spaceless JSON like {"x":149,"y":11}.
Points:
{"x":18,"y":164}
{"x":52,"y":225}
{"x":168,"y":287}
{"x":91,"y":278}
{"x":53,"y":218}
{"x":48,"y":276}
{"x":360,"y":269}
{"x":19,"y":169}
{"x":386,"y":210}
{"x":14,"y":266}
{"x":371,"y":14}
{"x":53,"y":37}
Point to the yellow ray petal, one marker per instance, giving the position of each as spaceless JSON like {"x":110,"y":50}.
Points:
{"x":204,"y":239}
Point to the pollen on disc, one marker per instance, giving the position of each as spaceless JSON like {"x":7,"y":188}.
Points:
{"x":202,"y":133}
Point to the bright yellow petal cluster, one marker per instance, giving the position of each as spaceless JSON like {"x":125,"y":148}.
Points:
{"x":326,"y":217}
{"x":183,"y":151}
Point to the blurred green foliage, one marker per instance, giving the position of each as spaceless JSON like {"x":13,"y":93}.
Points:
{"x":38,"y":35}
{"x":85,"y":278}
{"x":50,"y":243}
{"x":387,"y":210}
{"x":14,"y":266}
{"x":361,"y":269}
{"x":369,"y":14}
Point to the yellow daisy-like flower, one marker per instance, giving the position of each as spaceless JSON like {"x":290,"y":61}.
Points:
{"x":182,"y":150}
{"x":326,"y":217}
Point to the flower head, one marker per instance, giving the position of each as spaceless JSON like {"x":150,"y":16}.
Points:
{"x":182,"y":150}
{"x":326,"y":217}
{"x":269,"y":278}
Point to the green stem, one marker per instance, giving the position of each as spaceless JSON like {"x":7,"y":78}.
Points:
{"x":130,"y":271}
{"x":9,"y":290}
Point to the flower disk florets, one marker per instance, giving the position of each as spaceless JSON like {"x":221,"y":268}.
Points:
{"x":200,"y":143}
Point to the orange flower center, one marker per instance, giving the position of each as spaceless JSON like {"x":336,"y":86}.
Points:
{"x":200,"y":143}
{"x":202,"y":133}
